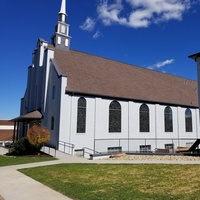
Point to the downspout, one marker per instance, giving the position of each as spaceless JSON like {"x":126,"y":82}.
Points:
{"x":128,"y":125}
{"x":197,"y":122}
{"x":94,"y":125}
{"x":70,"y":126}
{"x":178,"y":126}
{"x":156,"y":126}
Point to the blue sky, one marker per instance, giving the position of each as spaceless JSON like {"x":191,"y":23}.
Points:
{"x":154,"y":34}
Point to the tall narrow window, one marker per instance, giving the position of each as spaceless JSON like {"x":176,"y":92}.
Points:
{"x":54,"y":92}
{"x":115,"y":117}
{"x":52,"y":123}
{"x":188,"y":120}
{"x":36,"y":95}
{"x":144,"y":118}
{"x":168,"y":119}
{"x":81,"y":115}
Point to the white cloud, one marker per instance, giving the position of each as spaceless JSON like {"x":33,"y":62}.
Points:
{"x":161,"y":64}
{"x":143,"y":12}
{"x":109,"y":13}
{"x":97,"y":35}
{"x":88,"y":25}
{"x":166,"y":62}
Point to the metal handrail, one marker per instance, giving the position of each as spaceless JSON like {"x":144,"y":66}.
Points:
{"x":92,"y":151}
{"x":68,"y":145}
{"x":143,"y":141}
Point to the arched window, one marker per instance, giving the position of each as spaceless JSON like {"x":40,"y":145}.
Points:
{"x":144,"y":118}
{"x":188,"y":120}
{"x":114,"y":117}
{"x":168,"y":119}
{"x":81,"y":115}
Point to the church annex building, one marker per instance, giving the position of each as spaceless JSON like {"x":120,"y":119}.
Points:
{"x":104,"y":105}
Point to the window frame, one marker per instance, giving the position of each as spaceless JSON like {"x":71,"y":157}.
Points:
{"x":54,"y":92}
{"x":144,"y":117}
{"x":52,"y":122}
{"x":145,"y":148}
{"x":115,"y":117}
{"x":169,"y":146}
{"x":114,"y":149}
{"x":81,"y":115}
{"x":168,"y":119}
{"x":188,"y":120}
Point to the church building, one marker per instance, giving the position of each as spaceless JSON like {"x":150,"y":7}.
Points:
{"x":97,"y":105}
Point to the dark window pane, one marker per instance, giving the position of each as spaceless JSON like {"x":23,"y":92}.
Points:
{"x":52,"y":123}
{"x":81,"y":115}
{"x":168,"y":119}
{"x":54,"y":92}
{"x":169,"y":146}
{"x":144,"y":118}
{"x":114,"y":117}
{"x":145,"y":148}
{"x":82,"y":102}
{"x":188,"y":120}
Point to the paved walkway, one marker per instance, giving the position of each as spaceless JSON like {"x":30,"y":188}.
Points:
{"x":16,"y":186}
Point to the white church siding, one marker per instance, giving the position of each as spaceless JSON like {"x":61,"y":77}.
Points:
{"x":49,"y":54}
{"x":68,"y":124}
{"x":98,"y":137}
{"x":54,"y":88}
{"x":102,"y":122}
{"x":65,"y":119}
{"x":83,"y":139}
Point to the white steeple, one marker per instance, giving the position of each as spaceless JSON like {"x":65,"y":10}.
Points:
{"x":61,"y":38}
{"x":63,"y":7}
{"x":62,"y":13}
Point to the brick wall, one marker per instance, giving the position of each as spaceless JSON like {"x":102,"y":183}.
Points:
{"x":6,"y":130}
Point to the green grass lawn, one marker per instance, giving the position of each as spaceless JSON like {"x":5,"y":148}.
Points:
{"x":121,"y":182}
{"x":12,"y":160}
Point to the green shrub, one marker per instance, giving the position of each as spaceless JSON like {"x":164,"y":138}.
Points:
{"x":22,"y":147}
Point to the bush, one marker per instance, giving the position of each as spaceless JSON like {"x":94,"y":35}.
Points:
{"x":38,"y":136}
{"x":22,"y":147}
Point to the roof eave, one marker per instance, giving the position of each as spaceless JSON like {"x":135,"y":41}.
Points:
{"x":35,"y":115}
{"x":129,"y":99}
{"x":194,"y":56}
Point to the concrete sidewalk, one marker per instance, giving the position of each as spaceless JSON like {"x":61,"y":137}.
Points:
{"x":16,"y":186}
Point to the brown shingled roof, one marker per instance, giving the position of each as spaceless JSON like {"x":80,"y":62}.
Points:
{"x":28,"y":116}
{"x":89,"y":74}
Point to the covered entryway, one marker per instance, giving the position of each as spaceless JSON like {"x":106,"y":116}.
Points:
{"x":24,"y":122}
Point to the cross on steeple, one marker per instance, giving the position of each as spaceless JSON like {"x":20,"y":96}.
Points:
{"x":61,"y":39}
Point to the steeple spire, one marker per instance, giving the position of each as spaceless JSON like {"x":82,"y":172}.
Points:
{"x":62,"y":13}
{"x":61,"y":39}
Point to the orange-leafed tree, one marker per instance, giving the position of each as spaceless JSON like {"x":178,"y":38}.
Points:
{"x":38,"y":136}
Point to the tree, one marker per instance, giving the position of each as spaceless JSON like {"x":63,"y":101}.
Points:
{"x":38,"y":136}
